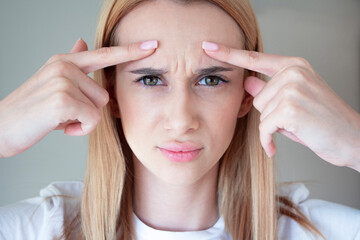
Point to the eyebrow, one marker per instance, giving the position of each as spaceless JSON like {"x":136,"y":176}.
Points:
{"x":202,"y":71}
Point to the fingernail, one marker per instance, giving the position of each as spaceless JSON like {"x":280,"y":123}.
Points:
{"x":149,"y":45}
{"x":210,"y":46}
{"x":78,"y":39}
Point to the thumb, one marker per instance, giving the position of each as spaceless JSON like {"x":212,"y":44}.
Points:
{"x":79,"y":46}
{"x":254,"y":85}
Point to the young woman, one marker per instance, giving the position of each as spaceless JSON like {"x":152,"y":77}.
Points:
{"x":182,"y":148}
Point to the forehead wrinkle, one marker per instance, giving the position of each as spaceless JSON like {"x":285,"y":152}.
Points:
{"x":179,"y":45}
{"x":177,"y":62}
{"x":188,"y":59}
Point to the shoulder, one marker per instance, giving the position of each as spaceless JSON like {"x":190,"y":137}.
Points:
{"x":334,"y":221}
{"x":41,"y":217}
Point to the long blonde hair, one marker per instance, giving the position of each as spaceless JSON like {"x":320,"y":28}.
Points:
{"x":246,"y":184}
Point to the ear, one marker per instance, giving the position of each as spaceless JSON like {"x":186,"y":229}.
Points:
{"x":246,"y":104}
{"x":114,"y":107}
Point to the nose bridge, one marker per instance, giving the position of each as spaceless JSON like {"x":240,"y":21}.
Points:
{"x":181,"y":112}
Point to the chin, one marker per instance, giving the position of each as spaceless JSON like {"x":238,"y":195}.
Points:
{"x":180,"y":174}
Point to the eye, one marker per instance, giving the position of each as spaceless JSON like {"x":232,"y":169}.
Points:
{"x":212,"y":81}
{"x":149,"y":80}
{"x":209,"y":81}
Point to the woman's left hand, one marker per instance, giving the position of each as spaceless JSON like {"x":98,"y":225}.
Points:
{"x":297,"y":103}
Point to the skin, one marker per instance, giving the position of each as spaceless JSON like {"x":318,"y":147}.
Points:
{"x":299,"y":104}
{"x":181,"y":108}
{"x":296,"y":102}
{"x":59,"y":95}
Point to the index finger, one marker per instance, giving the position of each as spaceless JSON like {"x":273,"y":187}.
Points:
{"x":268,"y":64}
{"x":90,"y":61}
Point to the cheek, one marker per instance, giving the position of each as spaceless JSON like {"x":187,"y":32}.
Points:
{"x":135,"y":112}
{"x":222,"y":120}
{"x":139,"y":117}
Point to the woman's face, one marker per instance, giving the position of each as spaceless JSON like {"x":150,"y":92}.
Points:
{"x":181,"y":104}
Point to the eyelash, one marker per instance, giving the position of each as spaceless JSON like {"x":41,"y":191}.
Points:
{"x":141,"y":79}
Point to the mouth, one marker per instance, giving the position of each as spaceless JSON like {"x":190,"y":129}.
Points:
{"x":180,"y":155}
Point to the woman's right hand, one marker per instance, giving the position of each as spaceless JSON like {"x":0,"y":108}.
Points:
{"x":61,"y":96}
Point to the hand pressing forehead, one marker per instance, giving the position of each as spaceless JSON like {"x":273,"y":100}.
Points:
{"x":180,"y":29}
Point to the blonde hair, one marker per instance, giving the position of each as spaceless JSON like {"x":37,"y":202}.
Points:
{"x":246,"y":184}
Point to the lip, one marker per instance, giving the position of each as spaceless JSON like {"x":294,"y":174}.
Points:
{"x":180,"y":147}
{"x":184,"y":152}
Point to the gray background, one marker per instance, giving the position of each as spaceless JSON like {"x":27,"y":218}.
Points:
{"x":325,"y":32}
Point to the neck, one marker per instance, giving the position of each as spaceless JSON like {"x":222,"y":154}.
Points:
{"x":170,"y":207}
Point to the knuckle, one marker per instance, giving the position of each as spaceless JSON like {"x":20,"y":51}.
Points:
{"x":299,"y":61}
{"x":289,"y":110}
{"x":294,"y":73}
{"x":262,"y":126}
{"x":97,"y":116}
{"x":63,"y":84}
{"x":56,"y":57}
{"x":290,"y":127}
{"x":58,"y":68}
{"x":253,"y":56}
{"x":227,"y":53}
{"x":104,"y":52}
{"x":291,"y":90}
{"x":61,"y":100}
{"x":93,"y":116}
{"x":256,"y":103}
{"x":105,"y":98}
{"x":131,"y":49}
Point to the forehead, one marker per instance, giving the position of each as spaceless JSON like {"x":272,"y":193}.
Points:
{"x":179,"y":28}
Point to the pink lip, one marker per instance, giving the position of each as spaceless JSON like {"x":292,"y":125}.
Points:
{"x":184,"y":152}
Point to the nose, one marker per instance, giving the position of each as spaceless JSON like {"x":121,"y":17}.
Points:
{"x":182,"y":115}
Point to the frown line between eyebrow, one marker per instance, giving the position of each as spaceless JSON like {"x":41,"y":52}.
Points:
{"x":202,"y":71}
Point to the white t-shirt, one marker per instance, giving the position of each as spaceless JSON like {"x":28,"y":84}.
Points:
{"x":20,"y":221}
